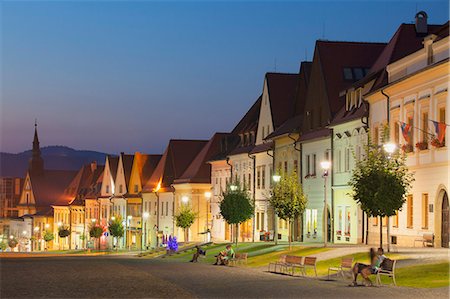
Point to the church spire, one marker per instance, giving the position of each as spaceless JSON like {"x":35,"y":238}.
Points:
{"x":36,"y":164}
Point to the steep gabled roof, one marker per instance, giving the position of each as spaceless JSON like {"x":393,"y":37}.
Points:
{"x":127,"y":161}
{"x":113,"y":165}
{"x":146,"y":166}
{"x":199,"y":171}
{"x":173,"y":163}
{"x":404,"y":42}
{"x":49,"y":188}
{"x":334,"y":57}
{"x":250,"y":120}
{"x":282,"y":90}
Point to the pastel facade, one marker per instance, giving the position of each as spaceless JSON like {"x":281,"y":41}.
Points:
{"x":417,"y":92}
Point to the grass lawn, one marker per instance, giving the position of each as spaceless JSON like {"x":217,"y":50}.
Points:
{"x":422,"y":276}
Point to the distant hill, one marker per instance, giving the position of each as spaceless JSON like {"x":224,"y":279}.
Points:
{"x":55,"y":157}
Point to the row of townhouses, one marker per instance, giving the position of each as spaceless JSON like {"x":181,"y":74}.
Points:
{"x":348,"y":94}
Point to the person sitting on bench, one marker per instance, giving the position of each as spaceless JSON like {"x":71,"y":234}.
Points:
{"x":197,"y":253}
{"x":225,"y":256}
{"x":376,"y":259}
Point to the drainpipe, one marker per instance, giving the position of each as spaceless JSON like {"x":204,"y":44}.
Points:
{"x":300,"y":165}
{"x":275,"y":217}
{"x":389,"y":137}
{"x":332,"y":184}
{"x":365,"y":218}
{"x":254,"y":195}
{"x":231,"y":168}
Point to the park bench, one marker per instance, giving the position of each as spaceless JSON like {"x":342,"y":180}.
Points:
{"x":280,"y":263}
{"x":346,"y":266}
{"x":309,"y":262}
{"x":387,"y":269}
{"x":238,"y":258}
{"x":426,"y":240}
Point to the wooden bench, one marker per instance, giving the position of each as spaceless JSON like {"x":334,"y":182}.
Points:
{"x":294,"y":262}
{"x":238,"y":258}
{"x":280,"y":263}
{"x":387,"y":269}
{"x":346,"y":266}
{"x":309,"y":261}
{"x":426,"y":240}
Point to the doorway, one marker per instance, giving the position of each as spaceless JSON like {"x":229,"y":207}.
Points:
{"x":445,"y":222}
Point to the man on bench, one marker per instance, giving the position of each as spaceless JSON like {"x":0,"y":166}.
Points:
{"x":376,"y":259}
{"x":197,"y":253}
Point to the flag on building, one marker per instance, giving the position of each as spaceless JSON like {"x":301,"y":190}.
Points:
{"x":440,"y":130}
{"x":405,"y":130}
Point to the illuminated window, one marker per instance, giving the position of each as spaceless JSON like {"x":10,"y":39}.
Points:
{"x":425,"y":210}
{"x":135,"y":188}
{"x":167,"y":208}
{"x":296,"y":166}
{"x":376,"y":135}
{"x":258,"y":178}
{"x":409,"y":211}
{"x":347,"y":221}
{"x":375,"y":221}
{"x":395,"y":224}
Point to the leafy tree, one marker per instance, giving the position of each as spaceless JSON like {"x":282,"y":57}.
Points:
{"x":288,"y":200}
{"x":63,"y":231}
{"x":116,"y":228}
{"x":236,"y":206}
{"x":95,"y":231}
{"x":184,"y":219}
{"x":380,"y":183}
{"x":48,"y":236}
{"x":3,"y":245}
{"x":12,"y":242}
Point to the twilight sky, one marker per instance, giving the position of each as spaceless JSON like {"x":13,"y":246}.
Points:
{"x":128,"y":76}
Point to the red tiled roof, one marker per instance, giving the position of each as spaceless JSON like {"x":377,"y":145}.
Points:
{"x":344,"y":116}
{"x":173,"y":163}
{"x":113,"y":164}
{"x":48,"y":189}
{"x":404,"y":42}
{"x":263,"y":147}
{"x":290,"y":126}
{"x":127,"y":161}
{"x":334,"y":57}
{"x":250,"y":120}
{"x":199,"y":171}
{"x":146,"y":165}
{"x":282,"y":90}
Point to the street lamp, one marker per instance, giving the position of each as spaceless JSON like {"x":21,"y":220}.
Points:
{"x":145,"y":216}
{"x":129,"y":217}
{"x":233,"y":187}
{"x":184,"y":199}
{"x":36,"y":230}
{"x":325,"y":167}
{"x":208,"y":201}
{"x":276,"y":178}
{"x":113,"y":218}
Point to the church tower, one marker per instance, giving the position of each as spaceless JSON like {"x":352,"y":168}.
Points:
{"x":36,"y":164}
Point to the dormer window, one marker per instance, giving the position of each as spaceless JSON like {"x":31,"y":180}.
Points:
{"x":354,"y":73}
{"x":245,"y":140}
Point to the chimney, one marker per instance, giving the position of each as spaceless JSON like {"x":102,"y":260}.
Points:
{"x":421,"y":23}
{"x":93,"y":166}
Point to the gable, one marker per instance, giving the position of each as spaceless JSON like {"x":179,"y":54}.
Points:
{"x":265,"y":123}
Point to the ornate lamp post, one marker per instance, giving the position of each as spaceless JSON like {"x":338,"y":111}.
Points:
{"x":127,"y":229}
{"x":325,"y":167}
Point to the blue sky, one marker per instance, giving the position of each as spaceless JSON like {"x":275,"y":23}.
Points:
{"x":127,"y":76}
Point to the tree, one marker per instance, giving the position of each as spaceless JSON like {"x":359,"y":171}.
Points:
{"x":12,"y":243}
{"x":184,"y":219}
{"x":95,"y":231}
{"x":116,"y":228}
{"x":48,"y":236}
{"x":380,"y":183}
{"x":288,"y":200}
{"x":236,"y":206}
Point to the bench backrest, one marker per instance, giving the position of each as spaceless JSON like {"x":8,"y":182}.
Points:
{"x":428,"y":237}
{"x":347,"y":262}
{"x":310,"y":261}
{"x":242,"y":255}
{"x":292,"y":259}
{"x":388,"y":264}
{"x":282,"y":259}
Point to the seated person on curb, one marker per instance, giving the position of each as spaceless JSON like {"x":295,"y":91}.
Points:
{"x":197,"y":253}
{"x":224,"y":256}
{"x":376,"y":259}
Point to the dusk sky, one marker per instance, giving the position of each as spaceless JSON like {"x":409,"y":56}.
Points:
{"x":117,"y":76}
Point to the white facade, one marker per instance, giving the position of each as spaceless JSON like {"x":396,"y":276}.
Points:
{"x":418,"y":93}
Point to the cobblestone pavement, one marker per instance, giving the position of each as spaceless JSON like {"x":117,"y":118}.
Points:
{"x":127,"y":277}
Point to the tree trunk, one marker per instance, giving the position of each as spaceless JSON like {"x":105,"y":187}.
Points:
{"x":237,"y":234}
{"x":367,"y":229}
{"x":381,"y":232}
{"x":289,"y":233}
{"x":186,"y":235}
